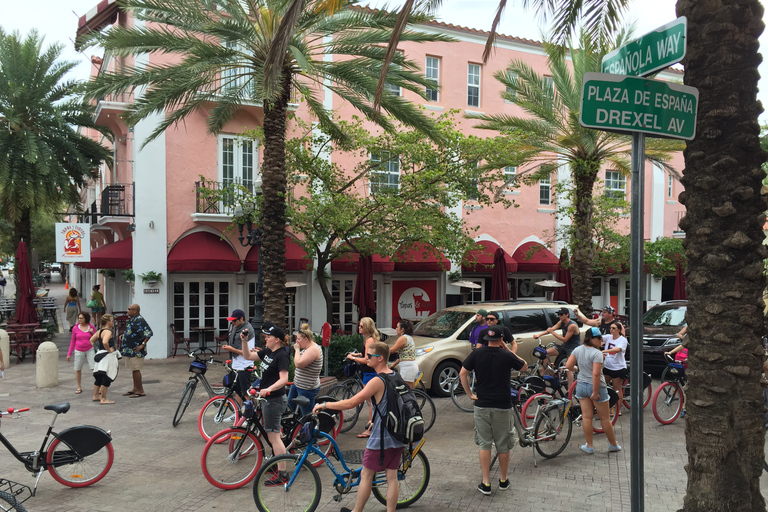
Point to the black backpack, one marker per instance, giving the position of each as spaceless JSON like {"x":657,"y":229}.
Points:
{"x":403,"y":416}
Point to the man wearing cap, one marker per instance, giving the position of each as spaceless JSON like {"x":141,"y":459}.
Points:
{"x":493,"y":403}
{"x":241,"y":330}
{"x":493,"y":318}
{"x":477,"y":327}
{"x":569,"y":336}
{"x":603,"y":323}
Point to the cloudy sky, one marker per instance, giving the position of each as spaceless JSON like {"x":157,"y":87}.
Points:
{"x":57,"y":21}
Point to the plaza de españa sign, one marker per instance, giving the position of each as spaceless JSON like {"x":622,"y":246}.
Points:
{"x":654,"y":51}
{"x":630,"y":104}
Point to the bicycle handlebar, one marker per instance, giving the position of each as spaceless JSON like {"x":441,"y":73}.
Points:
{"x":11,"y":410}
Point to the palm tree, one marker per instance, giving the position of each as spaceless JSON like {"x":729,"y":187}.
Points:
{"x":555,"y":138}
{"x":223,"y":47}
{"x":43,"y":156}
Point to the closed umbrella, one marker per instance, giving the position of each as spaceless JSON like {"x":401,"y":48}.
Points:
{"x":363,"y":298}
{"x":499,"y":289}
{"x":680,"y":293}
{"x":563,"y":275}
{"x":25,"y":291}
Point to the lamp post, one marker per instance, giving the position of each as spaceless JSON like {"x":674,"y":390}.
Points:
{"x":253,"y":237}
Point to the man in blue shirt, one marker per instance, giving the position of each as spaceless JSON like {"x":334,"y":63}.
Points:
{"x":479,"y":325}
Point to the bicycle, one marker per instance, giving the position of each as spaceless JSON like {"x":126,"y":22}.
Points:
{"x":647,"y":389}
{"x":10,"y":493}
{"x":347,"y":389}
{"x":76,"y":457}
{"x":232,"y":457}
{"x":222,"y":411}
{"x":197,"y":368}
{"x":669,"y":398}
{"x":303,"y":490}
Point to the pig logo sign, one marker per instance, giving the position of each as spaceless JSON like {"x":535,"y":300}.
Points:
{"x":414,"y":300}
{"x":73,"y":242}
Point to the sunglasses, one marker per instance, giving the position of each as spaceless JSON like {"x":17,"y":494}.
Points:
{"x":374,"y":355}
{"x":492,"y":318}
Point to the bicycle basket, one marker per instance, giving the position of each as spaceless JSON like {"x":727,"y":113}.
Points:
{"x":247,"y":409}
{"x":350,"y":369}
{"x":536,"y":384}
{"x":675,"y":369}
{"x":540,"y":352}
{"x":198,"y":367}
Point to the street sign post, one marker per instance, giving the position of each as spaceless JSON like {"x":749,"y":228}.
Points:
{"x":650,"y":53}
{"x":628,"y":104}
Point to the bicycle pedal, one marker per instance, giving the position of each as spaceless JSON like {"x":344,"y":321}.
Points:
{"x":337,"y":497}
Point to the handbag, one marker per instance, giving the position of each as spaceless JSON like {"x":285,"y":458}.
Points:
{"x":92,"y":304}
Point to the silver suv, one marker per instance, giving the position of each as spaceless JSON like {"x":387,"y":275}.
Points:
{"x":442,"y":339}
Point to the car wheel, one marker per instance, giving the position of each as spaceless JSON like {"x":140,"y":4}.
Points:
{"x":446,"y":375}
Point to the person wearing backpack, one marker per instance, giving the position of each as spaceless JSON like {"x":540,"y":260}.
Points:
{"x":493,"y":403}
{"x":374,"y":460}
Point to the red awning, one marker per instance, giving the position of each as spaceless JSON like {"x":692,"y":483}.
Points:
{"x":421,"y":258}
{"x":203,"y":252}
{"x":118,"y":255}
{"x":295,"y":258}
{"x":105,"y":13}
{"x":480,"y":259}
{"x":534,"y":257}
{"x":348,"y":263}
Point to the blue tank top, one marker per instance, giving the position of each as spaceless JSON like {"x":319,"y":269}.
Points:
{"x":575,"y":340}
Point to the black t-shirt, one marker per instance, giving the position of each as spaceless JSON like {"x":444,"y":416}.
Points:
{"x":507,"y":336}
{"x":271,"y":364}
{"x":492,"y":366}
{"x":605,"y":327}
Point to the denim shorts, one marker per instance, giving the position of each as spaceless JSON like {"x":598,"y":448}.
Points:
{"x":584,"y":390}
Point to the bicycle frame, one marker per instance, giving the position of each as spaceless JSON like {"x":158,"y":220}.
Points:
{"x":34,"y":462}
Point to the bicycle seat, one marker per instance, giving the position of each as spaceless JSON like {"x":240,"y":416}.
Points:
{"x":301,"y":401}
{"x":61,"y":408}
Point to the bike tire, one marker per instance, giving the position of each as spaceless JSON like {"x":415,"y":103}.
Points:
{"x":69,"y":468}
{"x":303,"y":495}
{"x":667,"y":402}
{"x":460,"y":398}
{"x":412,"y":482}
{"x":215,"y":414}
{"x":350,"y":416}
{"x":10,"y":503}
{"x":528,"y":415}
{"x":186,"y":398}
{"x":229,"y":460}
{"x":647,"y":394}
{"x":427,"y":407}
{"x":549,"y":424}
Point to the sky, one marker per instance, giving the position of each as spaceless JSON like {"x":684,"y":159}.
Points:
{"x":57,"y":21}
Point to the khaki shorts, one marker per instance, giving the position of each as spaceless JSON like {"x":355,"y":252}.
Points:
{"x":82,"y":357}
{"x":134,"y":363}
{"x":494,"y":426}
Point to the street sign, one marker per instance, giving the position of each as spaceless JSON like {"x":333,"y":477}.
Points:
{"x":654,"y":51}
{"x":629,"y":104}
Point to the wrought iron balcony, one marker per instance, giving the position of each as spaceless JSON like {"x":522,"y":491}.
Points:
{"x":216,"y":197}
{"x":117,"y":200}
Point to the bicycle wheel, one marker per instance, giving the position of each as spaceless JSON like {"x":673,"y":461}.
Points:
{"x":69,"y":468}
{"x":667,"y":402}
{"x":8,"y":503}
{"x":528,"y":412}
{"x":186,"y":397}
{"x":218,"y":413}
{"x":427,"y":406}
{"x":413,"y":481}
{"x":231,"y":458}
{"x":551,"y":433}
{"x":647,"y":392}
{"x":343,"y":392}
{"x":303,"y":495}
{"x":460,"y":398}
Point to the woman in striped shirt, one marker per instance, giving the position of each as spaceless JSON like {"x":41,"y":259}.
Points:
{"x":308,"y":360}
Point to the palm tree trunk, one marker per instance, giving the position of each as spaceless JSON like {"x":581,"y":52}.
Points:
{"x":724,"y":425}
{"x":22,"y":229}
{"x":273,"y":187}
{"x":584,"y":176}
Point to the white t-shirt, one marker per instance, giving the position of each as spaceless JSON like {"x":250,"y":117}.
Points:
{"x":618,"y":360}
{"x":241,"y":363}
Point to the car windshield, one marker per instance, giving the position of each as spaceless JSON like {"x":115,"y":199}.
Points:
{"x":442,"y":324}
{"x":665,"y":315}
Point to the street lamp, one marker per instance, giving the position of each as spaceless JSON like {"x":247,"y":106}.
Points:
{"x":252,"y":238}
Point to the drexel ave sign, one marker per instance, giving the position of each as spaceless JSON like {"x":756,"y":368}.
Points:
{"x":629,"y":104}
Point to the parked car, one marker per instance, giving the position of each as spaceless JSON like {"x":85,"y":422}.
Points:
{"x":55,"y":267}
{"x":442,"y":339}
{"x":660,"y":324}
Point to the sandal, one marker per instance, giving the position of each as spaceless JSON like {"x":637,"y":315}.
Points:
{"x":136,"y":395}
{"x":78,"y":391}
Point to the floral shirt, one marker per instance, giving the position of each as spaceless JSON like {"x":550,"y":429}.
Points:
{"x":136,"y":331}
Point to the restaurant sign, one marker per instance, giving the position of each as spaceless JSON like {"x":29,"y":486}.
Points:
{"x":73,"y":242}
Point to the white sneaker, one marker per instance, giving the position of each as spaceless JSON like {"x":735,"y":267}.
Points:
{"x":231,"y":419}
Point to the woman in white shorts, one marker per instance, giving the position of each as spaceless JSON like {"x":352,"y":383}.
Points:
{"x":406,"y":352}
{"x":81,"y":346}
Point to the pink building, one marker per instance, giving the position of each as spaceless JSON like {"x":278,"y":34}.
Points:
{"x":148,"y":212}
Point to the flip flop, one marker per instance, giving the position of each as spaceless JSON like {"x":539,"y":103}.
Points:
{"x":129,"y":393}
{"x":78,"y":391}
{"x":108,"y":402}
{"x":136,"y":395}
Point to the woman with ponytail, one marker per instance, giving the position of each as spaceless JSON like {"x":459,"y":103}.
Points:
{"x":308,"y":360}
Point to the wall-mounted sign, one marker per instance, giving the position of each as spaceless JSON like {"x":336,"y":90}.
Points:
{"x":73,"y":242}
{"x":151,"y":290}
{"x":413,"y":300}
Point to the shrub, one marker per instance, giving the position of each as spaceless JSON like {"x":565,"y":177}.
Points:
{"x":338,"y":349}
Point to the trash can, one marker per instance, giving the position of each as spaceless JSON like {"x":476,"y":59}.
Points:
{"x":47,"y":375}
{"x":5,"y":346}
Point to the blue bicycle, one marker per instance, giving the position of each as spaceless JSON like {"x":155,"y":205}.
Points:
{"x":303,"y":490}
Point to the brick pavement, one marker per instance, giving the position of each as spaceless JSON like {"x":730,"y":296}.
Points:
{"x":157,"y":466}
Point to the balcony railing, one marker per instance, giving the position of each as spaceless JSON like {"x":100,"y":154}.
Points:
{"x":117,"y":200}
{"x":218,"y":197}
{"x":680,"y":215}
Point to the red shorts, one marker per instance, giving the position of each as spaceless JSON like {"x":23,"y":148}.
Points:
{"x":391,"y":459}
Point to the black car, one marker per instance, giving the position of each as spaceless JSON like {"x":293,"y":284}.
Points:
{"x":660,"y":324}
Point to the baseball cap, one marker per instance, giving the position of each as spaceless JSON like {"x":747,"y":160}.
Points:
{"x":563,"y":311}
{"x":494,"y":333}
{"x":238,"y":313}
{"x":271,"y":329}
{"x":482,"y":312}
{"x":593,"y":332}
{"x":610,"y":310}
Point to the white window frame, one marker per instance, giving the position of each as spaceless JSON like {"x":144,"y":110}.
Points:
{"x":545,"y":186}
{"x":670,"y":186}
{"x":219,"y":322}
{"x":511,"y":75}
{"x":375,"y":158}
{"x":432,"y":73}
{"x":242,"y":161}
{"x":510,"y":177}
{"x":615,"y":185}
{"x":473,"y":82}
{"x":240,"y":81}
{"x":548,"y":83}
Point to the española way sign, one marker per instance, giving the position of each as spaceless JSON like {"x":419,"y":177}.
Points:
{"x":629,"y":104}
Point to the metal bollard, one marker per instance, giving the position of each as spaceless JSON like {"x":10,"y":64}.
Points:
{"x":5,"y":347}
{"x":47,"y":365}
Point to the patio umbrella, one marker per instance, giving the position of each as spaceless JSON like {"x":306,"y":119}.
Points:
{"x":679,"y":293}
{"x":564,"y":293}
{"x":499,"y":290}
{"x":25,"y":291}
{"x":363,"y":298}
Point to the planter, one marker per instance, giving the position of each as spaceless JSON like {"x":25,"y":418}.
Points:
{"x":152,"y":282}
